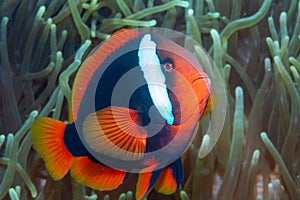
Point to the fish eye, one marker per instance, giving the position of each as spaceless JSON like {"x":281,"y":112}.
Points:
{"x":168,"y":64}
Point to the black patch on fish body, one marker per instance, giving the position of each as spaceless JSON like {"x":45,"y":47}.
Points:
{"x":102,"y":85}
{"x":161,"y":139}
{"x":141,"y":102}
{"x":73,"y":142}
{"x":111,"y":93}
{"x":108,"y":83}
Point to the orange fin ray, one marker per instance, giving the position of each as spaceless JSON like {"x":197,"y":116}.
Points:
{"x":47,"y":139}
{"x":95,"y":175}
{"x":143,"y":185}
{"x":112,"y":131}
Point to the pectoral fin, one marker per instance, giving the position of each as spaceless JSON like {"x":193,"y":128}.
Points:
{"x":113,"y":131}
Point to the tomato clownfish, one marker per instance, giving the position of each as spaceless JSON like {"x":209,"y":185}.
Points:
{"x":135,"y":103}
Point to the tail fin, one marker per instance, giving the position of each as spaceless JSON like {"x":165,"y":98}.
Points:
{"x":47,"y":138}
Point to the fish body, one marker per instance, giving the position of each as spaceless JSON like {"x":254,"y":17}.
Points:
{"x":136,"y":101}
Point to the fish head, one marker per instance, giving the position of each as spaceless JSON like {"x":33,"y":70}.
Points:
{"x":187,"y":83}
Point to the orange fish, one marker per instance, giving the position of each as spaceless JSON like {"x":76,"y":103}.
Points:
{"x":135,"y":103}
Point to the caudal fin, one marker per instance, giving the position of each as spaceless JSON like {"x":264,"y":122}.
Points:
{"x":47,"y":139}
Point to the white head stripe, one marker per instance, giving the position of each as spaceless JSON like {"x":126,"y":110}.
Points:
{"x":150,"y":65}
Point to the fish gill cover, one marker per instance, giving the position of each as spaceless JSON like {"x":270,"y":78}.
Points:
{"x":254,"y":44}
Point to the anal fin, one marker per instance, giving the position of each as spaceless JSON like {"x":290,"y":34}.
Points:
{"x":145,"y":182}
{"x":170,"y":178}
{"x":96,"y":175}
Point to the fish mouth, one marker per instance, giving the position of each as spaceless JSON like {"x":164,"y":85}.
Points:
{"x":195,"y":79}
{"x":198,"y":82}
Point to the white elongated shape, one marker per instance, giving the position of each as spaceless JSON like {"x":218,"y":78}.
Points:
{"x":150,"y":65}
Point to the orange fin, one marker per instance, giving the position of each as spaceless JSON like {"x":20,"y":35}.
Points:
{"x":95,"y":175}
{"x":145,"y":183}
{"x":170,"y":178}
{"x":47,"y":139}
{"x":114,"y":132}
{"x":142,"y":185}
{"x":123,"y":30}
